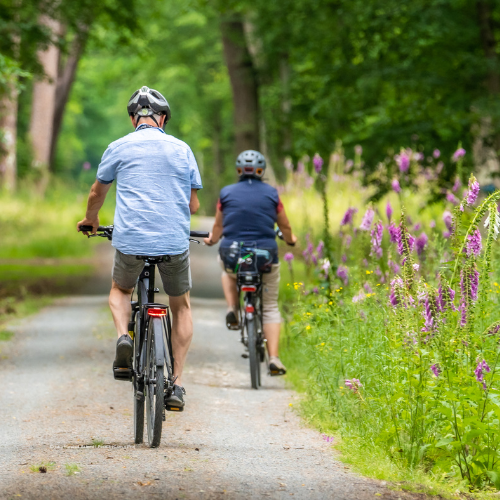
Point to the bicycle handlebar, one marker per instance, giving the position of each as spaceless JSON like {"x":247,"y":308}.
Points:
{"x":192,"y":234}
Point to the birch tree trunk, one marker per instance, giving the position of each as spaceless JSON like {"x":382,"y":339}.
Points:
{"x":44,"y":101}
{"x":244,"y":85}
{"x":8,"y":127}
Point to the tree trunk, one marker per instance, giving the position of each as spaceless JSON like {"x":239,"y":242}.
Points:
{"x":44,"y":100}
{"x":244,"y":85}
{"x":67,"y":73}
{"x":8,"y":126}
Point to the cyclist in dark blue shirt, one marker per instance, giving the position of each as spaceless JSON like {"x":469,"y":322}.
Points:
{"x":247,"y":212}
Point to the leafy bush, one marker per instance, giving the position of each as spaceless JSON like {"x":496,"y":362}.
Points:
{"x":399,"y":334}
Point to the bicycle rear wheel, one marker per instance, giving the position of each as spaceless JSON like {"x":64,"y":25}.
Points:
{"x":253,"y":353}
{"x":155,"y":385}
{"x":138,"y":386}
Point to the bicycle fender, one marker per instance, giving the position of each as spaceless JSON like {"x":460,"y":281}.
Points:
{"x":158,"y":332}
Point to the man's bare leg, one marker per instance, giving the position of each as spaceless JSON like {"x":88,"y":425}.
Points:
{"x":272,"y":335}
{"x":230,"y":292}
{"x":182,"y":332}
{"x":119,"y":303}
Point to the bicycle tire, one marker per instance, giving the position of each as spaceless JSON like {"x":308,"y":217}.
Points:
{"x":253,"y":354}
{"x":138,"y":403}
{"x":155,"y":391}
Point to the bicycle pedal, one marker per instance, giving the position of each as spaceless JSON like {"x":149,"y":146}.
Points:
{"x":232,"y":327}
{"x":124,"y":374}
{"x":139,"y":396}
{"x":244,"y":355}
{"x":174,"y":408}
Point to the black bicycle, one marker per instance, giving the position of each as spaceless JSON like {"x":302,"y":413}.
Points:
{"x":152,"y":372}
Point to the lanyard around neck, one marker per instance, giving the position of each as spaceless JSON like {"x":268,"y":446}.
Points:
{"x":146,"y":125}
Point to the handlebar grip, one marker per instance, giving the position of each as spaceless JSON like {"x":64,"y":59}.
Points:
{"x":89,"y":228}
{"x":199,"y":234}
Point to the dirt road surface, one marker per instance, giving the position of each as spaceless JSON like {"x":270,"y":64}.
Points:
{"x":61,"y":408}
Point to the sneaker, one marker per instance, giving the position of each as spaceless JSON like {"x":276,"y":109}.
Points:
{"x":232,"y":321}
{"x":124,"y":352}
{"x":175,"y":402}
{"x":276,"y":367}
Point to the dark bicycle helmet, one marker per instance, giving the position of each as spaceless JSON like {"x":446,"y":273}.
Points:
{"x":251,"y":163}
{"x":148,"y":102}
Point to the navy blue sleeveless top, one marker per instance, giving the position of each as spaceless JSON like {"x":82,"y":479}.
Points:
{"x":250,"y":209}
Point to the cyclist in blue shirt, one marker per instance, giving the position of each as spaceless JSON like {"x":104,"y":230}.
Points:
{"x":247,"y":212}
{"x":157,"y":182}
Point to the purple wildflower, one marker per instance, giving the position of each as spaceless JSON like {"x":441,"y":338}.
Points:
{"x":326,"y":265}
{"x":436,"y":153}
{"x":395,"y":186}
{"x":473,"y":191}
{"x":416,"y":267}
{"x":403,"y":161}
{"x":474,"y":284}
{"x":354,"y":384}
{"x":342,"y":274}
{"x":288,"y":257}
{"x":393,"y":232}
{"x":347,"y":219}
{"x":319,"y":249}
{"x":376,"y":240}
{"x":394,"y":267}
{"x":474,"y":245}
{"x":365,"y":262}
{"x":396,"y":283}
{"x":439,"y":167}
{"x":428,"y":314}
{"x":459,"y":153}
{"x":421,"y":243}
{"x":436,"y":370}
{"x":463,"y":301}
{"x":432,"y":224}
{"x":482,"y":365}
{"x":417,"y":227}
{"x":318,"y":163}
{"x":445,"y":298}
{"x":344,"y":258}
{"x":367,"y":221}
{"x":448,"y":219}
{"x":451,"y":198}
{"x":348,"y":240}
{"x":493,"y":330}
{"x":388,"y":211}
{"x":315,"y":290}
{"x":368,"y":288}
{"x":457,"y":185}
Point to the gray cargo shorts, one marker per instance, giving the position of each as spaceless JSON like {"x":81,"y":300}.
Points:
{"x":174,"y":271}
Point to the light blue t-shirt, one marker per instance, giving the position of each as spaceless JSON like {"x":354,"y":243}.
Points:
{"x":154,"y":174}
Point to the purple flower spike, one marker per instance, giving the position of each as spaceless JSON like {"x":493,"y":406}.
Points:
{"x":318,"y":163}
{"x":288,"y":257}
{"x":367,"y":221}
{"x":474,"y":245}
{"x":451,"y":198}
{"x":347,"y":219}
{"x":348,"y":240}
{"x":376,"y":240}
{"x":421,"y":243}
{"x":319,"y":249}
{"x":459,"y":153}
{"x":342,"y":274}
{"x":393,"y":233}
{"x":448,"y":219}
{"x":353,"y":384}
{"x":393,"y":297}
{"x":395,"y":186}
{"x":436,"y":153}
{"x":394,"y":267}
{"x":388,"y":211}
{"x":457,"y":185}
{"x":478,"y":372}
{"x":403,"y":161}
{"x":436,"y":370}
{"x":473,"y":191}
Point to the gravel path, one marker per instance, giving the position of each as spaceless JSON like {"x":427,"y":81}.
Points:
{"x":58,"y":399}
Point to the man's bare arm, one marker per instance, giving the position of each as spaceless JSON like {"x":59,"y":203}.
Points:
{"x":95,"y":201}
{"x":286,"y":229}
{"x":216,"y":233}
{"x":194,"y":203}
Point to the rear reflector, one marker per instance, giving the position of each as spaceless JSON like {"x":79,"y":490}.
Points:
{"x":248,"y":288}
{"x":249,"y":308}
{"x":157,"y":312}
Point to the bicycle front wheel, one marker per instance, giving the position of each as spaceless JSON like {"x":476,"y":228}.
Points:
{"x":154,"y":384}
{"x":253,"y":353}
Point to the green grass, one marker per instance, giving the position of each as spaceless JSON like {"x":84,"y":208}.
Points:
{"x":34,"y":272}
{"x":96,"y":442}
{"x":72,"y":469}
{"x":12,"y":309}
{"x":43,"y":467}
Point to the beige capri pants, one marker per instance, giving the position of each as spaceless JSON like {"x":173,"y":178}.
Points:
{"x":270,"y":291}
